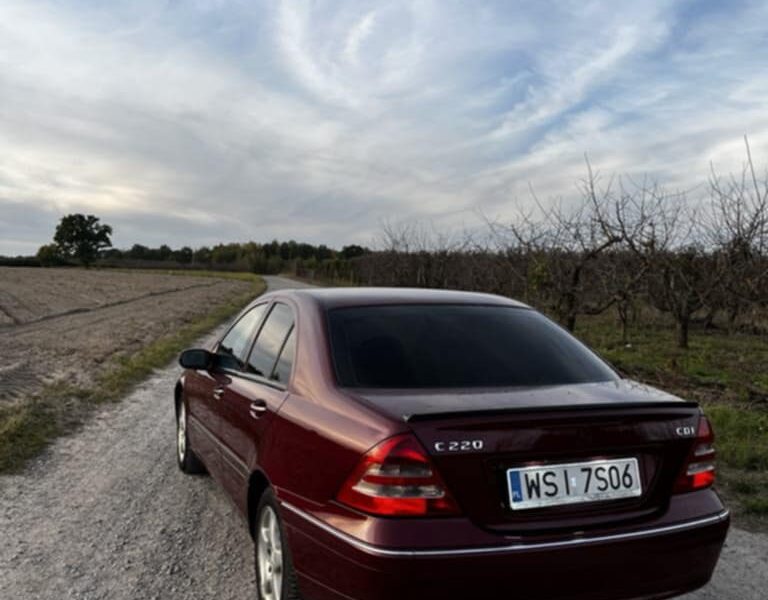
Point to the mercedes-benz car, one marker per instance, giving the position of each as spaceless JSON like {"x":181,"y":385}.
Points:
{"x":408,"y":443}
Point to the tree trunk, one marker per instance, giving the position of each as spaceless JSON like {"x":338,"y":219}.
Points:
{"x":623,"y":310}
{"x":733,"y":314}
{"x":571,"y":301}
{"x":682,"y":331}
{"x":709,"y":319}
{"x":570,"y":321}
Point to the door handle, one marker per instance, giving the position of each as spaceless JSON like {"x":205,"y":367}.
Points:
{"x":258,"y":408}
{"x":218,"y":393}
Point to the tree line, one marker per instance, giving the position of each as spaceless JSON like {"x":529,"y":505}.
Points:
{"x":630,"y":247}
{"x":84,"y":240}
{"x":266,"y":258}
{"x":621,"y":245}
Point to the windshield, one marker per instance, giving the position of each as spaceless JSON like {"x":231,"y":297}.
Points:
{"x":456,"y":346}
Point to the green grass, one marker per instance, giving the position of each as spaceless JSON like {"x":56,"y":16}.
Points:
{"x":757,"y":505}
{"x":715,"y":366}
{"x":237,"y":275}
{"x":26,"y":429}
{"x":742,"y":436}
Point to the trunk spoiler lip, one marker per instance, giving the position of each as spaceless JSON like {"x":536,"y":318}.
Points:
{"x":490,"y":412}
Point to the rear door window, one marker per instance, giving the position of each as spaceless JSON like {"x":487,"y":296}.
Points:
{"x":270,"y":341}
{"x":234,"y":347}
{"x":282,"y":370}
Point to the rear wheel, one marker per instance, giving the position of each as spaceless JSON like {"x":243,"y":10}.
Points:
{"x":188,"y":462}
{"x":275,"y":577}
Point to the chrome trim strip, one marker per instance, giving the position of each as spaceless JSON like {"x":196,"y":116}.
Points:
{"x":256,"y":379}
{"x":234,"y":462}
{"x":650,"y":404}
{"x":581,"y":541}
{"x":193,"y":420}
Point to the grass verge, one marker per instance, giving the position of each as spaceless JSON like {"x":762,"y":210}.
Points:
{"x":26,"y":429}
{"x":237,"y":275}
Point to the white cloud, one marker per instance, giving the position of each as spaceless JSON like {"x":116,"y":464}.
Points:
{"x":218,"y":121}
{"x":357,"y":36}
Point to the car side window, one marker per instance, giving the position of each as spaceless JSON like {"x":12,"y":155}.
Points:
{"x":233,"y":348}
{"x":270,"y":341}
{"x":282,"y":371}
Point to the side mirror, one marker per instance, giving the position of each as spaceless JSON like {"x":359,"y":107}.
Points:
{"x":196,"y":358}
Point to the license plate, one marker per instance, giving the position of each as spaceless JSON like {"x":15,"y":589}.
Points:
{"x":573,"y":483}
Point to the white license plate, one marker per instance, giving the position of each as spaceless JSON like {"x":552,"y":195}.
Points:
{"x":573,"y":483}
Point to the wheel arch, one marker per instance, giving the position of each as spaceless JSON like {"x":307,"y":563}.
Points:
{"x":177,"y":391}
{"x":258,"y":483}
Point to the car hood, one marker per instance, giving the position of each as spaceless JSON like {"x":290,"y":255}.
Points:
{"x":411,"y":404}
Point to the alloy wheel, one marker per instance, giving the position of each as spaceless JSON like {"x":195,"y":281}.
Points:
{"x":181,"y":433}
{"x":269,"y":555}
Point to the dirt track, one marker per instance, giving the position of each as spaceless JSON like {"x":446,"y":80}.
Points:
{"x":106,"y":514}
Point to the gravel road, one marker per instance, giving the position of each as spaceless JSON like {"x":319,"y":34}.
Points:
{"x":105,"y":513}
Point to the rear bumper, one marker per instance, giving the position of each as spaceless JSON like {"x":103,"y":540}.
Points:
{"x":656,"y":562}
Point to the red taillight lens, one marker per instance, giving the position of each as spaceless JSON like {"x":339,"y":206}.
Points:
{"x":396,"y":478}
{"x":699,"y":470}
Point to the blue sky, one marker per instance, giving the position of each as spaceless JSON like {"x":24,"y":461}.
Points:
{"x":191,"y":122}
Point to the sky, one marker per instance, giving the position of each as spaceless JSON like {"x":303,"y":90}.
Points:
{"x":193,"y":122}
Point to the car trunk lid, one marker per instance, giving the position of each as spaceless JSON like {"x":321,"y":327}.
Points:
{"x":474,"y":438}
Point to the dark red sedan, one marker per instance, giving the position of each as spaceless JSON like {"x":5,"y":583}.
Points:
{"x":397,"y":444}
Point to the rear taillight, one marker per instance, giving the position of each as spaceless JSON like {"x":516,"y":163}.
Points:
{"x":699,"y":469}
{"x":396,"y":478}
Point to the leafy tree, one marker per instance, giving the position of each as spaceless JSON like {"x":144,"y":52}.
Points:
{"x":49,"y":255}
{"x":81,"y":237}
{"x":138,"y":252}
{"x":323,"y":252}
{"x":113,"y":253}
{"x":202,"y":255}
{"x":184,"y":255}
{"x":353,"y":251}
{"x":225,"y":253}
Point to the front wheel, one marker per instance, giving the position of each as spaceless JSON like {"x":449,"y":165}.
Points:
{"x":275,"y":577}
{"x":187,"y":461}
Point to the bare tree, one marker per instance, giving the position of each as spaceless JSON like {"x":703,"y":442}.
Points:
{"x":618,"y":243}
{"x":417,"y":253}
{"x":737,"y":230}
{"x":559,"y":242}
{"x":664,"y":232}
{"x":617,"y":281}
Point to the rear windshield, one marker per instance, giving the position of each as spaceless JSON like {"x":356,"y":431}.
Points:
{"x":456,"y":346}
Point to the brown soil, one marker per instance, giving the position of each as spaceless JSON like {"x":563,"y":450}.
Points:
{"x":62,"y":325}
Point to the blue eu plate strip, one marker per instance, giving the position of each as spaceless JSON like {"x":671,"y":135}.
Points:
{"x":514,"y":484}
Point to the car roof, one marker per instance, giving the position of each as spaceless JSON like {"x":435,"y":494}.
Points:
{"x":336,"y":297}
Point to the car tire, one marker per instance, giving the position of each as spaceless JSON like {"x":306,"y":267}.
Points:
{"x":275,"y":577}
{"x":185,"y":456}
